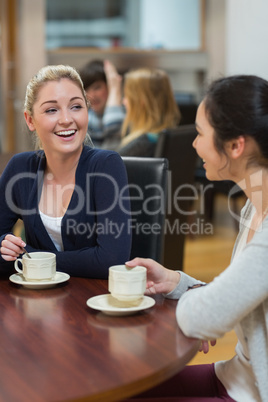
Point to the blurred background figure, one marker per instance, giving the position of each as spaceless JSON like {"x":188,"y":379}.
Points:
{"x":103,"y":86}
{"x":150,"y":109}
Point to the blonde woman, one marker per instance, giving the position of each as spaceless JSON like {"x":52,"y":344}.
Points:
{"x":150,"y":109}
{"x":67,"y":192}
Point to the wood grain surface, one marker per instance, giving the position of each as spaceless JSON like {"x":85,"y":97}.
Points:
{"x":53,"y":347}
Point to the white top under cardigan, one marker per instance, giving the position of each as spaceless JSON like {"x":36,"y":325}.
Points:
{"x":236,"y":299}
{"x":53,"y":227}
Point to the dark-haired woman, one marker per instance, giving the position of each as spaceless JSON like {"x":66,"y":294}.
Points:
{"x":232,"y":140}
{"x":103,"y":86}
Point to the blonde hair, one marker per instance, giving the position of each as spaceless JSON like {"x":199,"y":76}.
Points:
{"x":151,"y":104}
{"x":48,"y":74}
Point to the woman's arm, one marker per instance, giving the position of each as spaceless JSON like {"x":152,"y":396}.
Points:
{"x":10,"y":245}
{"x":114,"y":113}
{"x":83,"y":255}
{"x":114,"y":83}
{"x":211,"y":311}
{"x":173,"y":284}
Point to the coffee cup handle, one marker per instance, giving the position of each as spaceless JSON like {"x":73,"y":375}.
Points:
{"x":16,"y":265}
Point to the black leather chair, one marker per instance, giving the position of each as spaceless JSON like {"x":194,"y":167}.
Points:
{"x":176,"y":146}
{"x":147,"y":179}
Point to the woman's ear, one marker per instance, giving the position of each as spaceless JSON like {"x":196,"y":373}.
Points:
{"x":236,"y":147}
{"x":29,"y":121}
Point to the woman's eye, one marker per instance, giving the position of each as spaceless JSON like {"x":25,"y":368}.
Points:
{"x":77,"y":107}
{"x":51,"y":110}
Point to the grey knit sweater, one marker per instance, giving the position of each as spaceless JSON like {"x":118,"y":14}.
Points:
{"x":237,"y":297}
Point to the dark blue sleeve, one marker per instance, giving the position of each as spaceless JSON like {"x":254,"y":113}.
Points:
{"x":8,"y":215}
{"x":96,"y":236}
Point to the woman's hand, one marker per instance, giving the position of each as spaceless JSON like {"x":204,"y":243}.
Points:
{"x":159,"y":278}
{"x":11,"y":247}
{"x":204,"y":346}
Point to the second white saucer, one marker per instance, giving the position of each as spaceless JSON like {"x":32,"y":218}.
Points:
{"x":111,"y":306}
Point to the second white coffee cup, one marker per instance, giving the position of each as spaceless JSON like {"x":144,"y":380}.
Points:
{"x":41,"y":266}
{"x":127,"y":284}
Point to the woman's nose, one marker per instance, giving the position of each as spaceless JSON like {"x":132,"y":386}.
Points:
{"x":65,"y":117}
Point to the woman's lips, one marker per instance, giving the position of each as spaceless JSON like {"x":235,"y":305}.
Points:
{"x":65,"y":133}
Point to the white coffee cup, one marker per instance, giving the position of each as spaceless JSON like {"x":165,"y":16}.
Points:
{"x":127,"y":284}
{"x":40,"y":267}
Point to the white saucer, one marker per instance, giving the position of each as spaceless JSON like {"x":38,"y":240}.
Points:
{"x":111,"y":306}
{"x":59,"y":278}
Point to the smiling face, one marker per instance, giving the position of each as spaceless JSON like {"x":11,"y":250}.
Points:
{"x":215,"y":163}
{"x":60,"y":117}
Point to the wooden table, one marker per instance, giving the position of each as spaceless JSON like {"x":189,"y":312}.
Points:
{"x":53,"y":347}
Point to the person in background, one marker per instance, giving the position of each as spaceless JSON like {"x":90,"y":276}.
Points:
{"x":150,"y":109}
{"x":103,"y":86}
{"x":66,"y":193}
{"x":232,"y":141}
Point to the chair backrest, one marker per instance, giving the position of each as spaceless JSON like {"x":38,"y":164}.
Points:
{"x":176,"y":146}
{"x":147,"y":178}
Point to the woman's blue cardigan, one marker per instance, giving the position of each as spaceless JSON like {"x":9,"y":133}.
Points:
{"x":95,"y":228}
